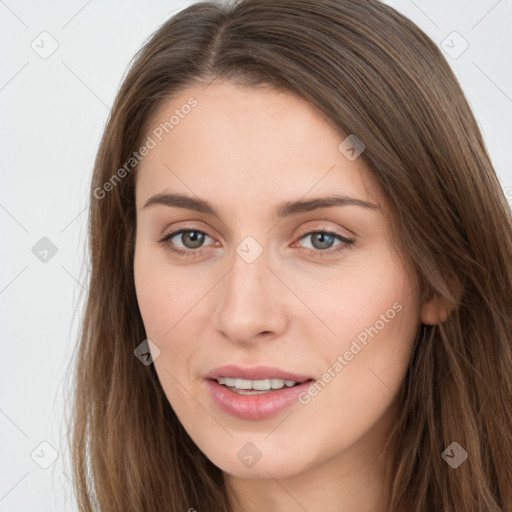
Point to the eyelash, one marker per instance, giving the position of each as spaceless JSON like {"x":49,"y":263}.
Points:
{"x":317,"y":253}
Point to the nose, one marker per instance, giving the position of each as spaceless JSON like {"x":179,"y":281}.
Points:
{"x":251,"y":302}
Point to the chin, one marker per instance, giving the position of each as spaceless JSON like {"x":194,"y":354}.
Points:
{"x":277,"y":464}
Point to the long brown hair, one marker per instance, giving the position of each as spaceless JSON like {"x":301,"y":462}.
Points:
{"x":373,"y":73}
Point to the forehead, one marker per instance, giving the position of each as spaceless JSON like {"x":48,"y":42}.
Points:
{"x":258,"y":142}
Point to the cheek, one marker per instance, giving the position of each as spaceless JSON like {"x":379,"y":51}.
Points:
{"x":374,"y":313}
{"x":158,"y":301}
{"x":168,"y":300}
{"x":160,"y":293}
{"x":376,"y":327}
{"x":371,"y":289}
{"x":161,"y":308}
{"x":151,"y":295}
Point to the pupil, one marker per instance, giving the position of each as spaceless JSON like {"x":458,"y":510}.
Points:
{"x":321,"y":238}
{"x":195,"y":238}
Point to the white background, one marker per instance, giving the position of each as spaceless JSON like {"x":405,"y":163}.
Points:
{"x":53,"y":112}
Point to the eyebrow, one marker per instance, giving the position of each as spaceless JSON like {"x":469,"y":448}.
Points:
{"x":285,"y":209}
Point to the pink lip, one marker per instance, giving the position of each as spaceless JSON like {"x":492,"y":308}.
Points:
{"x":260,"y":406}
{"x":255,"y":373}
{"x":254,"y":407}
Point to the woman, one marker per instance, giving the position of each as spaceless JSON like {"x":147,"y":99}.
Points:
{"x":301,"y":281}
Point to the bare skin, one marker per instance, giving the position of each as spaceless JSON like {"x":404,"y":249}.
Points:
{"x":298,"y":306}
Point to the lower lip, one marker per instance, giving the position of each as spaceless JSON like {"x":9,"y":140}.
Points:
{"x":255,"y":407}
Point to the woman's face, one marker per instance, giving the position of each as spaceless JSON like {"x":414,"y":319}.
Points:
{"x":259,"y":286}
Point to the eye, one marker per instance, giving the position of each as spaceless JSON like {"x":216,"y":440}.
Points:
{"x":323,"y":240}
{"x":191,"y":240}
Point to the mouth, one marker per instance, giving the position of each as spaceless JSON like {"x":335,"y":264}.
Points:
{"x":255,"y":387}
{"x":255,"y":393}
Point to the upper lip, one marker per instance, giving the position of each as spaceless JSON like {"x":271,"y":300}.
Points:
{"x":255,"y":373}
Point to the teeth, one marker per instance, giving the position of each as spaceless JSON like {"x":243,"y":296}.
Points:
{"x":258,"y":385}
{"x":227,"y":381}
{"x":243,"y":384}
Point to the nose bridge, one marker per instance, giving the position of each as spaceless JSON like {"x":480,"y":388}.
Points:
{"x":247,"y":280}
{"x":247,"y":302}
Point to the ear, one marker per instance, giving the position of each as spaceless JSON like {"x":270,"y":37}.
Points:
{"x":436,"y":309}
